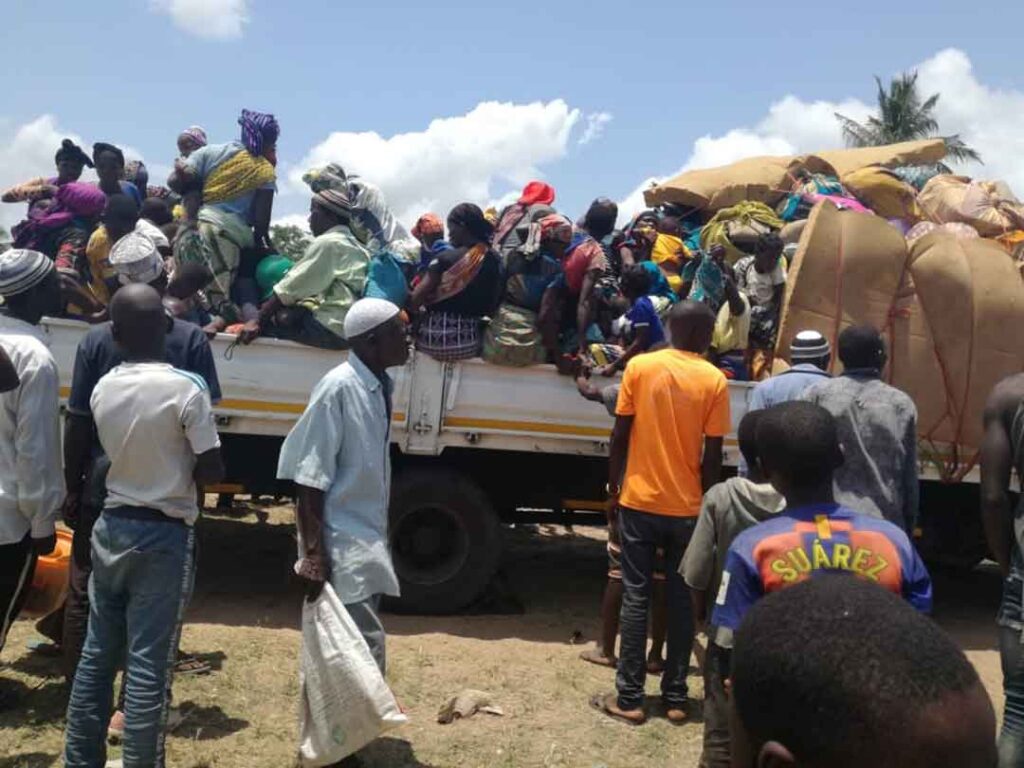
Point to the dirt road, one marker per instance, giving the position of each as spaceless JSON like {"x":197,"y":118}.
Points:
{"x":244,"y":620}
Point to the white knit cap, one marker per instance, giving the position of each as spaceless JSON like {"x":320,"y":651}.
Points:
{"x":22,"y":269}
{"x":808,"y":345}
{"x":136,"y":259}
{"x":367,"y":314}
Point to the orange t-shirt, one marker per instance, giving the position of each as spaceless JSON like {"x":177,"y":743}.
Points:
{"x":676,"y":398}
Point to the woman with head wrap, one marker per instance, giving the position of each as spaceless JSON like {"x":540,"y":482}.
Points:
{"x":70,"y":160}
{"x":568,"y":308}
{"x":513,"y":223}
{"x":110,"y":168}
{"x":228,"y":194}
{"x":191,"y":139}
{"x":460,"y":287}
{"x":309,"y":303}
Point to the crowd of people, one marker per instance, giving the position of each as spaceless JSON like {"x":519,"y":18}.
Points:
{"x":821,"y":514}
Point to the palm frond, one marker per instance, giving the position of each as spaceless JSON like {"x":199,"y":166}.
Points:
{"x":856,"y":134}
{"x":956,"y":149}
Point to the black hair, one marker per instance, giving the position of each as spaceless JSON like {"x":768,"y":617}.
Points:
{"x":101,"y":146}
{"x":861,"y":346}
{"x":746,"y":435}
{"x":800,"y":442}
{"x":600,"y":218}
{"x":70,"y":150}
{"x":838,"y":669}
{"x":157,"y":211}
{"x":635,"y":281}
{"x":121,"y":207}
{"x":189,"y":277}
{"x":471,"y":218}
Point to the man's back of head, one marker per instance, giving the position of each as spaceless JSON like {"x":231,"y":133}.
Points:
{"x":692,"y":324}
{"x":837,"y":672}
{"x":139,"y":322}
{"x":810,"y":347}
{"x":862,"y":347}
{"x":798,"y":447}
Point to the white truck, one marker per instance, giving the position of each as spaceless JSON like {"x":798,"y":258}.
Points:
{"x":473,"y":445}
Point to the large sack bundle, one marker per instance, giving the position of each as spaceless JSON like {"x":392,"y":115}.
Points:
{"x":955,"y":228}
{"x":846,"y":271}
{"x":884,"y":192}
{"x":988,"y":206}
{"x":844,"y":161}
{"x":756,"y":178}
{"x":738,"y":228}
{"x":956,"y":332}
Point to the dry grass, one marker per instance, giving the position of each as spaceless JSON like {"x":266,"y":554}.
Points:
{"x":245,"y":615}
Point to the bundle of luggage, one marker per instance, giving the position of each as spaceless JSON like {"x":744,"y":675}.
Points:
{"x":888,"y":236}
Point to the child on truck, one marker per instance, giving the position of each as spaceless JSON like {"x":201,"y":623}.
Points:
{"x":639,"y":328}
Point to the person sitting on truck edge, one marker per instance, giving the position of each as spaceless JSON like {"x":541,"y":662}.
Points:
{"x":309,"y":304}
{"x":728,"y":509}
{"x":184,"y":299}
{"x":671,"y":417}
{"x":641,"y":327}
{"x":802,"y":695}
{"x":1002,"y":450}
{"x":603,"y":654}
{"x":338,"y":455}
{"x":798,"y":450}
{"x":762,"y":277}
{"x":156,"y":424}
{"x":460,"y":287}
{"x":599,"y":223}
{"x":877,"y":429}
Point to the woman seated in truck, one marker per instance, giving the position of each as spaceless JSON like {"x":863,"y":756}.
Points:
{"x":568,"y":309}
{"x":228,"y":192}
{"x":309,"y":303}
{"x":459,"y":288}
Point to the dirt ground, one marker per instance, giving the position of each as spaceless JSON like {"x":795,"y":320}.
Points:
{"x":244,"y":620}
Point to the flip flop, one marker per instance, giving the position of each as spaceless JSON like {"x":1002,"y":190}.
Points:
{"x":603,"y":703}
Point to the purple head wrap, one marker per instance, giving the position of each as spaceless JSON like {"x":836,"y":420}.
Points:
{"x":258,"y":128}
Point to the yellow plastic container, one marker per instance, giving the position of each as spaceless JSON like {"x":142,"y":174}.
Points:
{"x":50,"y":581}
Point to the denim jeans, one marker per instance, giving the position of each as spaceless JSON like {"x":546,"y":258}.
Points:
{"x":642,"y":535}
{"x":1011,"y":653}
{"x":716,"y":753}
{"x":142,"y":572}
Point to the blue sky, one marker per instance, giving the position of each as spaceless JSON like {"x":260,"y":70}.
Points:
{"x":135,"y":73}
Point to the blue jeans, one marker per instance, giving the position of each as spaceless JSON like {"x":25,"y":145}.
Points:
{"x":141,"y":581}
{"x":1011,"y":654}
{"x":642,"y":534}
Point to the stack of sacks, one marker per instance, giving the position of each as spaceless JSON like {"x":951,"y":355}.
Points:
{"x":811,"y":189}
{"x":847,"y":270}
{"x":955,"y":228}
{"x":884,"y":193}
{"x":953,"y":336}
{"x":988,"y":206}
{"x":738,"y":228}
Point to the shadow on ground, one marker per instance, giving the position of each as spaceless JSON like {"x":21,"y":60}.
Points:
{"x":390,"y":753}
{"x":29,"y":760}
{"x":205,"y":723}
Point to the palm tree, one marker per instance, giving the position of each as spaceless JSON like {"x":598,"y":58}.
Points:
{"x":902,"y":116}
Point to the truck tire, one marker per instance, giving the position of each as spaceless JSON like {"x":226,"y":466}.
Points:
{"x":445,"y":540}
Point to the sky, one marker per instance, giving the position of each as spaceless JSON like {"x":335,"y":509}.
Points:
{"x":438,"y":103}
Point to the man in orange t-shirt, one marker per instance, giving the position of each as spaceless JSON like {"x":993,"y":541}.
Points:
{"x":672,"y":413}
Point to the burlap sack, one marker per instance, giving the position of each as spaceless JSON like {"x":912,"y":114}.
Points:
{"x":846,"y":271}
{"x":988,"y":206}
{"x":956,"y":332}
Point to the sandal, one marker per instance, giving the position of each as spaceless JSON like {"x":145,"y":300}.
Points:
{"x":191,"y":665}
{"x":606,"y":704}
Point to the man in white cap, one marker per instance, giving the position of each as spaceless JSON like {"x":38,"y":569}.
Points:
{"x":31,"y":482}
{"x":338,"y":456}
{"x":809,"y":357}
{"x":136,"y":258}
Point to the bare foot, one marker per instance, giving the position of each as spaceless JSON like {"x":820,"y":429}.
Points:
{"x":597,"y":656}
{"x":607,"y":704}
{"x":677,"y":715}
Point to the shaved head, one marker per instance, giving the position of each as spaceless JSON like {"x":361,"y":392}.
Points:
{"x":692,"y":324}
{"x":139,"y":322}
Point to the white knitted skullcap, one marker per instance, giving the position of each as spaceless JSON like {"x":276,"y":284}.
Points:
{"x":367,"y":314}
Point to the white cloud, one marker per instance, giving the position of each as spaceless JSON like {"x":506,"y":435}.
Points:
{"x":595,"y":125}
{"x":477,"y":156}
{"x":211,"y":19}
{"x":986,"y":118}
{"x":293,"y":220}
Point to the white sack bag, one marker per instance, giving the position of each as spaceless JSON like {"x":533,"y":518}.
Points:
{"x":344,"y":702}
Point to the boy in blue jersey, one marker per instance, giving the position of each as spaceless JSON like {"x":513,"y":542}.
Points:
{"x":798,"y":448}
{"x":641,"y":326}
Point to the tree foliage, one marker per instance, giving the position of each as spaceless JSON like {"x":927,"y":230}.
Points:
{"x":902,"y":116}
{"x":291,"y":241}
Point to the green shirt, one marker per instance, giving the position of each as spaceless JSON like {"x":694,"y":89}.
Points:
{"x":329,"y":278}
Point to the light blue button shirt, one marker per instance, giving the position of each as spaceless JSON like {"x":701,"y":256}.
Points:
{"x":340,"y":446}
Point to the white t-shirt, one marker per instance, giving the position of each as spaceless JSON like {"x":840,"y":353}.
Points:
{"x":760,"y":288}
{"x":153,"y":420}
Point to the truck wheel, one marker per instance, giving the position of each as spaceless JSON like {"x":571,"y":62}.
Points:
{"x":445,"y":540}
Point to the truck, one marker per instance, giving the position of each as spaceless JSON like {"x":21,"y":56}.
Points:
{"x":474,"y":446}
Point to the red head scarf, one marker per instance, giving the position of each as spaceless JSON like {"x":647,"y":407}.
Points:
{"x":537,"y":192}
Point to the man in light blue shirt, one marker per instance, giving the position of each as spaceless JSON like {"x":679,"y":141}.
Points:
{"x":338,"y":456}
{"x":810,"y":355}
